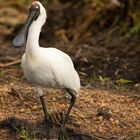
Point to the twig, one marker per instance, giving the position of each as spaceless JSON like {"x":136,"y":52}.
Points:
{"x":16,"y":93}
{"x":10,"y":63}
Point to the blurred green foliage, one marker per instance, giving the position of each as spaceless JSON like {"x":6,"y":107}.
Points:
{"x":135,"y":30}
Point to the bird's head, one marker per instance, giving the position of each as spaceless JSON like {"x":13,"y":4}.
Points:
{"x":37,"y":13}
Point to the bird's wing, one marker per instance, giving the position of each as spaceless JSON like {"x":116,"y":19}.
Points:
{"x":61,"y":55}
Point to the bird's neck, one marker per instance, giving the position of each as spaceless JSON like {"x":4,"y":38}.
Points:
{"x":32,"y":44}
{"x":33,"y":37}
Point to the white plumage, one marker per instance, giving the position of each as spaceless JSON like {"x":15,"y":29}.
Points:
{"x":46,"y":67}
{"x":50,"y":67}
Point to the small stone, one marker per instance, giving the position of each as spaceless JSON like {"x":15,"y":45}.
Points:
{"x":22,"y":110}
{"x":101,"y":118}
{"x":34,"y":107}
{"x":117,"y":122}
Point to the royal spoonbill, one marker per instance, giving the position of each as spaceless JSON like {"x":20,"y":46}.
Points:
{"x":45,"y":67}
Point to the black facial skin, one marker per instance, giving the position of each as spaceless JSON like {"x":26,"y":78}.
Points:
{"x":20,"y":39}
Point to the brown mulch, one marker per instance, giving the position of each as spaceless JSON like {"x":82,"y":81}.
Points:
{"x":96,"y":113}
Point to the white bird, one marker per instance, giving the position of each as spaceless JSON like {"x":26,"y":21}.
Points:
{"x":45,"y":67}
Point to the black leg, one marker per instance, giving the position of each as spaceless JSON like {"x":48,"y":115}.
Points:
{"x":47,"y":121}
{"x":61,"y":134}
{"x":72,"y":101}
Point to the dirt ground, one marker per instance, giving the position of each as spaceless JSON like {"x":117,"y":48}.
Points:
{"x":105,"y":110}
{"x":98,"y":114}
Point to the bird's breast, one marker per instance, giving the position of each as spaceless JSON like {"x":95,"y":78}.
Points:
{"x":38,"y":74}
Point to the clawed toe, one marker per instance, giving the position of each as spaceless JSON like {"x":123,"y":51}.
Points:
{"x":49,"y":125}
{"x":62,"y":134}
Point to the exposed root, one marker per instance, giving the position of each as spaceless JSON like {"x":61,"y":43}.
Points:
{"x":10,"y":63}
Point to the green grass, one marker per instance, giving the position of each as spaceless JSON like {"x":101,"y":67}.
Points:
{"x":136,"y":29}
{"x":2,"y":74}
{"x":124,"y":81}
{"x":103,"y":80}
{"x":135,"y":135}
{"x":24,"y":133}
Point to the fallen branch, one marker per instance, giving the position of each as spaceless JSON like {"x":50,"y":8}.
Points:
{"x":10,"y":63}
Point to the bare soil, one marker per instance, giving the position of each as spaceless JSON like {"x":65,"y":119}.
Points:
{"x":97,"y":113}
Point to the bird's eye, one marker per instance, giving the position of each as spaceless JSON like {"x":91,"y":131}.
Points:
{"x":36,"y":7}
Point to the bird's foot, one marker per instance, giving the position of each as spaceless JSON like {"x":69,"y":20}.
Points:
{"x":49,"y":125}
{"x":62,"y":134}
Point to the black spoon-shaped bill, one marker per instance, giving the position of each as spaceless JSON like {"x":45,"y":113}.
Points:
{"x":21,"y":37}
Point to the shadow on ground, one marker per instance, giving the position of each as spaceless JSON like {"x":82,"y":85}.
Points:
{"x":22,"y":127}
